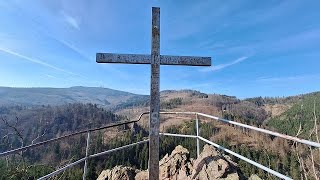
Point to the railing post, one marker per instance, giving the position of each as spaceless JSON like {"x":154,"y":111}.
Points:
{"x":197,"y":128}
{"x":87,"y":154}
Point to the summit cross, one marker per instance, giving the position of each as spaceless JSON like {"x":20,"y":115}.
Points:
{"x":155,"y":59}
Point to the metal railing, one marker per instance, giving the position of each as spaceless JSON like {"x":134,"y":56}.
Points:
{"x":84,"y":159}
{"x":197,"y":137}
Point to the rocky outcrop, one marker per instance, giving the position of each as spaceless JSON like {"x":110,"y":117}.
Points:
{"x":176,"y":166}
{"x":179,"y":166}
{"x":254,"y":177}
{"x":118,"y":172}
{"x":212,"y":165}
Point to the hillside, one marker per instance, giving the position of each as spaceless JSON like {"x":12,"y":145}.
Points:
{"x":58,"y":96}
{"x":46,"y":122}
{"x":303,"y":113}
{"x":40,"y":122}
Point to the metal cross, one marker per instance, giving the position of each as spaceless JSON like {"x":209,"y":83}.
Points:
{"x":155,"y":60}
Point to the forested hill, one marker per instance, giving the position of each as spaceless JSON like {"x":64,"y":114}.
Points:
{"x":47,"y":122}
{"x":58,"y":96}
{"x":303,"y":112}
{"x":37,"y":123}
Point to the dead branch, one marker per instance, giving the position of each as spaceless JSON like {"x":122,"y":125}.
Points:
{"x":316,"y":124}
{"x":14,"y":128}
{"x":44,"y":132}
{"x":18,"y":133}
{"x":300,"y":160}
{"x":315,"y":131}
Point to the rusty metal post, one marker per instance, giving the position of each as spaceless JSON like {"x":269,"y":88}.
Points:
{"x":85,"y":168}
{"x":154,"y":120}
{"x":197,"y":128}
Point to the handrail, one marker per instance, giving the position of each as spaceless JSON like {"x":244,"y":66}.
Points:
{"x":246,"y":159}
{"x":198,"y":137}
{"x":89,"y":157}
{"x":230,"y":152}
{"x":303,"y":141}
{"x":68,"y":135}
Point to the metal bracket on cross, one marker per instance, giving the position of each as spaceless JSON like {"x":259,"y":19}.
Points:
{"x":155,"y":59}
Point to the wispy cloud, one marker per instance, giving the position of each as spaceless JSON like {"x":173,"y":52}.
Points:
{"x":73,"y":48}
{"x":50,"y":76}
{"x":303,"y":40}
{"x":36,"y":61}
{"x":71,"y":20}
{"x":222,"y":66}
{"x":289,"y":78}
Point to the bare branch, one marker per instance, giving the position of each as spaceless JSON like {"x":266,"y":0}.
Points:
{"x":315,"y":131}
{"x":313,"y":164}
{"x":315,"y":123}
{"x":295,"y":148}
{"x":14,"y":128}
{"x":44,"y":132}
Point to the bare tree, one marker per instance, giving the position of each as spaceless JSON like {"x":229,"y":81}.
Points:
{"x":300,"y":159}
{"x":315,"y":132}
{"x":15,"y":131}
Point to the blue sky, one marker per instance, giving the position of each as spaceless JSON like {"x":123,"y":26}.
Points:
{"x":258,"y":48}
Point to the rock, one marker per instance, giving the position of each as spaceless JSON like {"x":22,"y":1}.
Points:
{"x":142,"y":175}
{"x":179,"y":166}
{"x":254,"y":177}
{"x":118,"y":172}
{"x":212,"y":165}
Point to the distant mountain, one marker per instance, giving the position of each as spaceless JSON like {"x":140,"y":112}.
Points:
{"x":104,"y":97}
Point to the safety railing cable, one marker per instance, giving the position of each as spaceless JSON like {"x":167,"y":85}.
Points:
{"x":67,"y":136}
{"x":197,"y":137}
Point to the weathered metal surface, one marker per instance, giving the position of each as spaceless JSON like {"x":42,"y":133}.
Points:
{"x":146,"y":59}
{"x":154,"y":120}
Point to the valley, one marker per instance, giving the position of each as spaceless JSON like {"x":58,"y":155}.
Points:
{"x":40,"y":117}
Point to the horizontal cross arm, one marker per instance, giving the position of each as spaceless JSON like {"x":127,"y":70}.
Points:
{"x":185,"y":60}
{"x":146,"y":59}
{"x":123,"y":58}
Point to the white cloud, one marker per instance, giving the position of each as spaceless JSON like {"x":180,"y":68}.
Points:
{"x":71,"y":20}
{"x":36,"y":61}
{"x":75,"y":49}
{"x":289,"y":78}
{"x":50,"y":76}
{"x":222,"y":66}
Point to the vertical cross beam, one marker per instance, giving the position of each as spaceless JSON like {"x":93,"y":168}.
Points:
{"x":154,"y":120}
{"x":155,"y":60}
